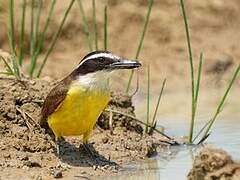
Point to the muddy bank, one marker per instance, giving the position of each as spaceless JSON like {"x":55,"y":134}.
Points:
{"x":214,"y":164}
{"x":27,"y":151}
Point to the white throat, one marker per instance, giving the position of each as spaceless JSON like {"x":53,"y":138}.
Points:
{"x":94,"y":81}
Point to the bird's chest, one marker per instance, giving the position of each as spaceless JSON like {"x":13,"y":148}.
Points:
{"x":87,"y":101}
{"x":80,"y":109}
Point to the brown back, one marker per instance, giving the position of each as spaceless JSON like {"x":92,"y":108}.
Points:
{"x":54,"y":99}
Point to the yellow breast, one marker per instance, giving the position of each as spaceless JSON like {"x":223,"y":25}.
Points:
{"x":79,"y":111}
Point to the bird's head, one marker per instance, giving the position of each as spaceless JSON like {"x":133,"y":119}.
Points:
{"x":103,"y":61}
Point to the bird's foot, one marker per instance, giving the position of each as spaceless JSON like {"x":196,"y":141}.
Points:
{"x":90,"y":151}
{"x":97,"y":162}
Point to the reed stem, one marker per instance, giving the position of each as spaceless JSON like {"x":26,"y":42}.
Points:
{"x":22,"y":34}
{"x":191,"y":128}
{"x":105,"y":28}
{"x":150,"y":4}
{"x":55,"y":37}
{"x":148,"y":98}
{"x":220,"y":105}
{"x":158,"y":103}
{"x":95,"y":24}
{"x":85,"y":25}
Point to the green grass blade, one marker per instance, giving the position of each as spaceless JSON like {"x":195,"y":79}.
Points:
{"x":158,"y":102}
{"x":11,"y":27}
{"x":105,"y":28}
{"x":22,"y":34}
{"x":220,"y":105}
{"x":85,"y":25}
{"x":32,"y":40}
{"x":35,"y":39}
{"x":95,"y":24}
{"x":197,"y":89}
{"x":198,"y":80}
{"x":6,"y":73}
{"x":148,"y":98}
{"x":42,"y":38}
{"x":150,"y":4}
{"x":201,"y":130}
{"x":43,"y":33}
{"x":191,"y":128}
{"x":9,"y":69}
{"x":55,"y":37}
{"x":14,"y":69}
{"x":37,"y":23}
{"x":15,"y":66}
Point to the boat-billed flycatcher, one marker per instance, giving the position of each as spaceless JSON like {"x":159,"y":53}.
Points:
{"x":73,"y":106}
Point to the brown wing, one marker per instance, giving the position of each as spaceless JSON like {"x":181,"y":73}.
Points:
{"x":54,"y":99}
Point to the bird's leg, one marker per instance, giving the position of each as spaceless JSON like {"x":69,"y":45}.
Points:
{"x":87,"y":146}
{"x":89,"y":150}
{"x":58,"y":145}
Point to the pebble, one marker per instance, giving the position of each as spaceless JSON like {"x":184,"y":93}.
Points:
{"x":57,"y":174}
{"x":32,"y":164}
{"x":105,"y":140}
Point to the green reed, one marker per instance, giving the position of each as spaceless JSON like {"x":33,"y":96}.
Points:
{"x":85,"y":25}
{"x":11,"y":28}
{"x":54,"y":39}
{"x":195,"y":87}
{"x":95,"y":24}
{"x":105,"y":28}
{"x":148,"y":98}
{"x":37,"y":35}
{"x":22,"y":34}
{"x":194,"y":90}
{"x":154,"y":120}
{"x":145,"y":25}
{"x":40,"y":38}
{"x":153,"y":123}
{"x":210,"y":123}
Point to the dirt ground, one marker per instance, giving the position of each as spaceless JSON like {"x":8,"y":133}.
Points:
{"x":214,"y":164}
{"x":27,"y":150}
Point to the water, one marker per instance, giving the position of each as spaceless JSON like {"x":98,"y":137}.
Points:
{"x":175,"y":162}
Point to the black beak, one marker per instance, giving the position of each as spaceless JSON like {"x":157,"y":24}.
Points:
{"x":125,"y":64}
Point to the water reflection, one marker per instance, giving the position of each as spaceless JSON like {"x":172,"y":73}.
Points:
{"x":175,"y":162}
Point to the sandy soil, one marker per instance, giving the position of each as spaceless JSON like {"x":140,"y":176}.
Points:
{"x":29,"y":152}
{"x":214,"y":164}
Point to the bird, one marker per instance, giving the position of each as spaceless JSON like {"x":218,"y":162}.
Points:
{"x":73,"y":106}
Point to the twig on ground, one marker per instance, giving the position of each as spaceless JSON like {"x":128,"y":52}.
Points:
{"x":29,"y":125}
{"x":134,"y":118}
{"x":111,"y":122}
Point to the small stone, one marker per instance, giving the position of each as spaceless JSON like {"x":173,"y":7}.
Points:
{"x":83,"y":172}
{"x":57,"y":174}
{"x":7,"y":155}
{"x":23,"y":157}
{"x":151,"y":150}
{"x":105,"y":140}
{"x":32,"y":164}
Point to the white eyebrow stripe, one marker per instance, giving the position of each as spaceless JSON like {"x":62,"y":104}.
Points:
{"x":106,"y":55}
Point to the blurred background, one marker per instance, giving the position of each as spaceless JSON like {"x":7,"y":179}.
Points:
{"x":214,"y":27}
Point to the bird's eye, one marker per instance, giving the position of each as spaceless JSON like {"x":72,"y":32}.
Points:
{"x":101,"y":60}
